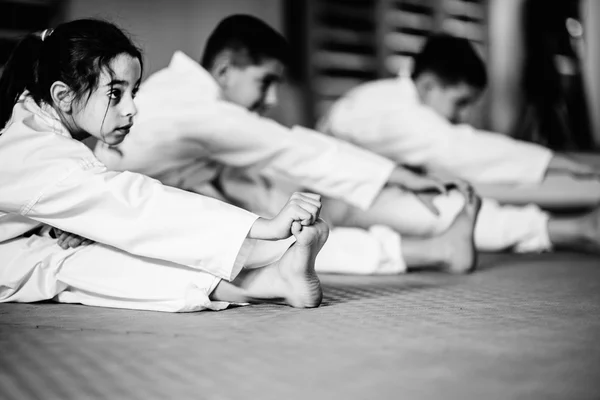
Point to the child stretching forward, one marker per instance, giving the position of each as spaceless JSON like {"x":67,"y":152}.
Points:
{"x":157,"y":247}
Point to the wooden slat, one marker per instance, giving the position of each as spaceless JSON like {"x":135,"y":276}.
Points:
{"x":464,"y":8}
{"x":420,"y":3}
{"x":343,"y":36}
{"x":330,"y":86}
{"x":339,"y":60}
{"x":404,"y":42}
{"x":402,"y":19}
{"x":467,"y":30}
{"x":345,"y":11}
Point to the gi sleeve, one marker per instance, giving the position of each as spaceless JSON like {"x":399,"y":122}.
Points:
{"x":238,"y":138}
{"x":420,"y":137}
{"x":134,"y":213}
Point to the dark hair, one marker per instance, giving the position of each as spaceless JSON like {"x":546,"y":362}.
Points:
{"x":249,"y":38}
{"x":452,"y":59}
{"x":75,"y":53}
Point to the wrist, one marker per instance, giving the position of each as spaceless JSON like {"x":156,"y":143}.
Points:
{"x":258,"y":229}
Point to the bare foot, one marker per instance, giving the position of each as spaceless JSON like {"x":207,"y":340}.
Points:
{"x":291,"y":280}
{"x":457,"y":242}
{"x":300,"y":284}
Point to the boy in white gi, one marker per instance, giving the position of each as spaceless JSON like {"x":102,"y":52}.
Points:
{"x":156,"y":247}
{"x":415,"y":121}
{"x":194,"y":122}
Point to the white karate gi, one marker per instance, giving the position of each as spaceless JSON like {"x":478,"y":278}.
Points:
{"x":184,"y":134}
{"x":387,"y":117}
{"x":158,"y":247}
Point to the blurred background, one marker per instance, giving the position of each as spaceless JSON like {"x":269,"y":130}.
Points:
{"x":543,"y":56}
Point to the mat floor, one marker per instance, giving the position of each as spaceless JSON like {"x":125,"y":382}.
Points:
{"x":522,"y":327}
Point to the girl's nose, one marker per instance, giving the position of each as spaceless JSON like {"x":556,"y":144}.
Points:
{"x":130,"y":109}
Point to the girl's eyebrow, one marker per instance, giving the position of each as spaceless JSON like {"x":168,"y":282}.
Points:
{"x":117,"y":82}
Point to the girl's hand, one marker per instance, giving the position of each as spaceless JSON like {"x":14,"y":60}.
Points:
{"x":302,"y":209}
{"x":69,"y":240}
{"x":423,"y":185}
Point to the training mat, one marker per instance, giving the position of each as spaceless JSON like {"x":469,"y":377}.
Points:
{"x":523,"y":327}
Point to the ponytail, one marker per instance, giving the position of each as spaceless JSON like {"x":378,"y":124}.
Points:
{"x":20,"y":74}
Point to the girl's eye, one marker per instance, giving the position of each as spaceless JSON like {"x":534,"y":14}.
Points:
{"x":134,"y":93}
{"x":114,"y":94}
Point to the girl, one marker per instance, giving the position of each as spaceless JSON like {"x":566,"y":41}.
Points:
{"x":157,"y":248}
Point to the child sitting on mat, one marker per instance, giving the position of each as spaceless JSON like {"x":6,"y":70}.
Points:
{"x":157,"y":247}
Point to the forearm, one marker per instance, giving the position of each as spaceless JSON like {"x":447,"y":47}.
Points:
{"x":565,"y":165}
{"x":332,"y":167}
{"x":425,"y":139}
{"x":560,"y":163}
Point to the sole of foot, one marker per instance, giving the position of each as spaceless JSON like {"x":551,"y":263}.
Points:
{"x":301,"y":285}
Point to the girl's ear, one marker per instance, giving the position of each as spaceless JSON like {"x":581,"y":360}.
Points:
{"x":62,"y":96}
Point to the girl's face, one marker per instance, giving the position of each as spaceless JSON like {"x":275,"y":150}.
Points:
{"x":108,"y":112}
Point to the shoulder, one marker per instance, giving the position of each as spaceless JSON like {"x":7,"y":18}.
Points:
{"x":32,"y":142}
{"x":36,"y":158}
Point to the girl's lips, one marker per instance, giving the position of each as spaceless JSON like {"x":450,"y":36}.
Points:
{"x":125,"y":127}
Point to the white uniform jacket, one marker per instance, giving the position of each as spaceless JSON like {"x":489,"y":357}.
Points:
{"x":184,"y":133}
{"x":387,"y":117}
{"x":48,"y":177}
